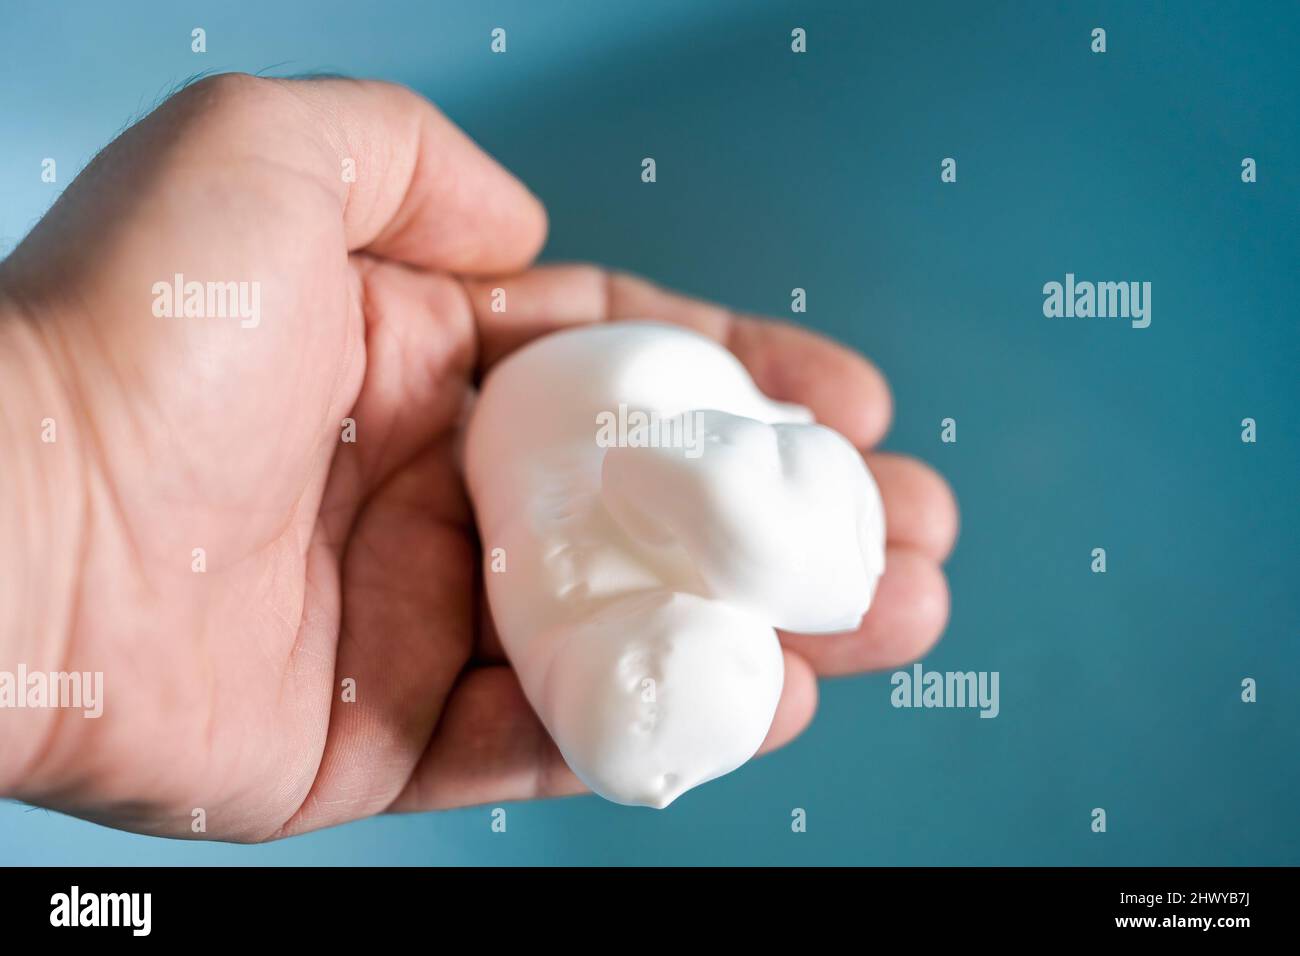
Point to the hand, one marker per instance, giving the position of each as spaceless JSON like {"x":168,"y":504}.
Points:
{"x":322,"y":560}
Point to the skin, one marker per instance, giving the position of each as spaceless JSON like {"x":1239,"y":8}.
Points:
{"x":325,"y":560}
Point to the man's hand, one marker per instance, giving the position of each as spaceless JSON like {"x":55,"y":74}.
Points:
{"x":202,"y":531}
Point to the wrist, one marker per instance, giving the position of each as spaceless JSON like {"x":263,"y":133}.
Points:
{"x":41,"y":519}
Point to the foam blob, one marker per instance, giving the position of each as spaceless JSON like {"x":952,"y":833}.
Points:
{"x":648,"y":519}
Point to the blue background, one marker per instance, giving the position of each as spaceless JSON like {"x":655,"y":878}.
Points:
{"x":821,"y":170}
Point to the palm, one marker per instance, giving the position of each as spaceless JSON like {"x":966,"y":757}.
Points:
{"x":335,"y":604}
{"x":333,"y":659}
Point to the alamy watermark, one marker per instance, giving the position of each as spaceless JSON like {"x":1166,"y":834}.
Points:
{"x":922,"y":688}
{"x":133,"y":911}
{"x":179,"y":299}
{"x":40,"y":690}
{"x":1099,"y":300}
{"x":633,"y":428}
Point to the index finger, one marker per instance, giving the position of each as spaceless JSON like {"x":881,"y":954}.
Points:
{"x":788,"y":363}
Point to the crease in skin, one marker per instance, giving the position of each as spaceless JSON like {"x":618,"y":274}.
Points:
{"x":637,"y":578}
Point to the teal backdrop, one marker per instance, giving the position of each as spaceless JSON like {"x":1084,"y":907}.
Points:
{"x":776,"y":170}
